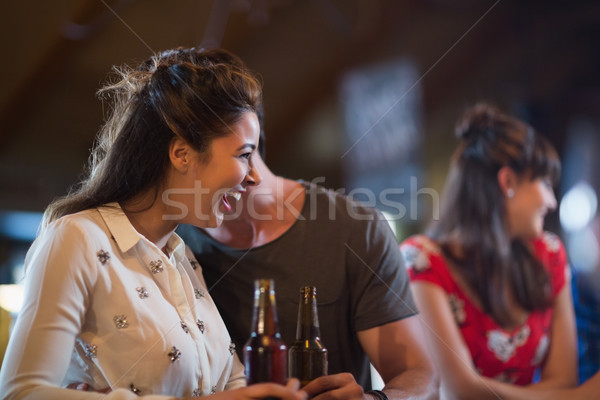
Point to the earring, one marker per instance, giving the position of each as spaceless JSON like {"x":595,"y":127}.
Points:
{"x":510,"y":193}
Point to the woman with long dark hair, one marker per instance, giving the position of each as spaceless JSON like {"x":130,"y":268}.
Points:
{"x":491,"y":284}
{"x":113,"y":298}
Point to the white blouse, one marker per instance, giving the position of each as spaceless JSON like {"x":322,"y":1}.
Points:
{"x":106,"y":307}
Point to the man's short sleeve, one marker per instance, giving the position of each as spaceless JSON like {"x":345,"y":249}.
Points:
{"x":384,"y":285}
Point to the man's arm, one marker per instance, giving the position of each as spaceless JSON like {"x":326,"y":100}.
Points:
{"x":397,"y":351}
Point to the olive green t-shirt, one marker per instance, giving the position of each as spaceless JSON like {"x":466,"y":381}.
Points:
{"x":346,"y":250}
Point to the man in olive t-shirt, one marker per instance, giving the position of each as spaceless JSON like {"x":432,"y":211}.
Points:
{"x":300,"y":234}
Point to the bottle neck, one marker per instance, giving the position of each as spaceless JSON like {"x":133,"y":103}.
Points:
{"x":307,"y":327}
{"x":264,"y":316}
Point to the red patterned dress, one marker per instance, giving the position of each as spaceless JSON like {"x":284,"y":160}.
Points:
{"x":506,"y":355}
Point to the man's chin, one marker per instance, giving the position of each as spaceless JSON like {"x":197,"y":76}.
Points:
{"x":214,"y":220}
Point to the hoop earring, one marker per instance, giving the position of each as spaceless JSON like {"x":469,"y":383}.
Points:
{"x":510,"y":193}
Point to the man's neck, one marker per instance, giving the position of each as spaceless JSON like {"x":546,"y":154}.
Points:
{"x":268,"y":212}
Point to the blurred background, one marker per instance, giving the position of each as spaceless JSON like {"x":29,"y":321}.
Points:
{"x":361,"y":95}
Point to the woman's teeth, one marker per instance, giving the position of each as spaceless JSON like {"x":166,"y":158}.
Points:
{"x":235,"y":195}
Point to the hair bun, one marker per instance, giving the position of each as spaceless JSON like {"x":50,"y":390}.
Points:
{"x":476,"y":121}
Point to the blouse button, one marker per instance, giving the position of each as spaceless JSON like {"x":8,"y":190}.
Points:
{"x":121,"y":321}
{"x":156,"y":266}
{"x":142,"y":292}
{"x":185,"y":327}
{"x":91,"y":350}
{"x":135,"y":389}
{"x":103,"y":256}
{"x":194,"y":263}
{"x":174,"y":354}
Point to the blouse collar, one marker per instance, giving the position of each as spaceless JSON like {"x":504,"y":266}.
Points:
{"x":127,"y":237}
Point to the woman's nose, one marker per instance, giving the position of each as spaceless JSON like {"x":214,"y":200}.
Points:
{"x":253,"y":177}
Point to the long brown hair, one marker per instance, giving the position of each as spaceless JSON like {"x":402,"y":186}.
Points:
{"x":473,"y":216}
{"x":190,"y":93}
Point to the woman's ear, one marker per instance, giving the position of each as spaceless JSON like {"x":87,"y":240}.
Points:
{"x":180,"y":154}
{"x":507,"y":180}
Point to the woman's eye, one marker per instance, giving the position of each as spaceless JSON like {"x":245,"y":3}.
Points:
{"x":548,"y":186}
{"x":245,"y":156}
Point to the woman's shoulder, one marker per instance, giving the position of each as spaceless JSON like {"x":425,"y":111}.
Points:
{"x":82,"y":225}
{"x":71,"y":221}
{"x":551,"y":252}
{"x":549,"y":246}
{"x":420,"y":253}
{"x":79,"y":236}
{"x":421,"y":243}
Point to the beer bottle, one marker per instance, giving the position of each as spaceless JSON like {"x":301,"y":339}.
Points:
{"x":307,"y":356}
{"x":265,"y":354}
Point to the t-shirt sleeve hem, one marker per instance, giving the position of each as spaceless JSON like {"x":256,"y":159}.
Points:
{"x":375,"y":323}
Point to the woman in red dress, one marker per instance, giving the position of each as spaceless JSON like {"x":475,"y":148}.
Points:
{"x":490,"y":283}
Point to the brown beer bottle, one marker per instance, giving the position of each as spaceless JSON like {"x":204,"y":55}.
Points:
{"x":307,"y":356}
{"x":265,"y":354}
